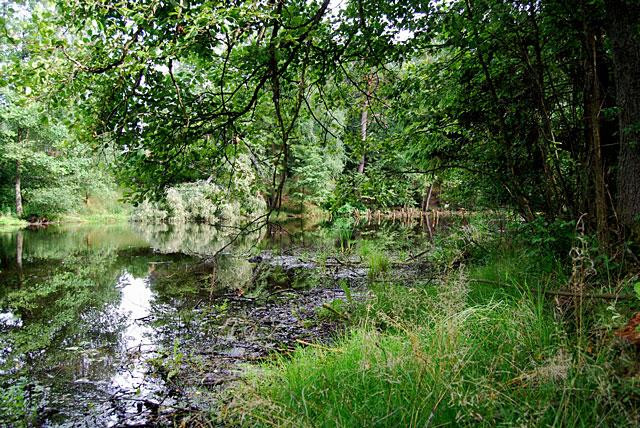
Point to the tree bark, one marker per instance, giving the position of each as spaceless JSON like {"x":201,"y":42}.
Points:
{"x":364,"y":121}
{"x":592,"y":107}
{"x":623,"y":22}
{"x":19,"y":210}
{"x":426,"y":201}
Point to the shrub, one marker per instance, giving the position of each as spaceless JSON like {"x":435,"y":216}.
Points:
{"x":207,"y":202}
{"x":51,"y":202}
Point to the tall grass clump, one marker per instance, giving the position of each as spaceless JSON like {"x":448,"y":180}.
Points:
{"x":343,"y":230}
{"x":426,"y":356}
{"x":376,"y":259}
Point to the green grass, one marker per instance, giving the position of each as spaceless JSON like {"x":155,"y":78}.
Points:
{"x":93,"y":218}
{"x":10,"y":222}
{"x":455,"y":352}
{"x":375,"y":258}
{"x":100,"y":210}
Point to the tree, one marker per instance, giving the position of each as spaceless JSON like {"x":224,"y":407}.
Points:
{"x":623,"y":18}
{"x":28,"y":142}
{"x":52,"y":171}
{"x":179,"y":84}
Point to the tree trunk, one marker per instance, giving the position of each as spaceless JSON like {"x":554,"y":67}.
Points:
{"x":426,"y":200}
{"x":363,"y":160}
{"x":592,"y":107}
{"x":364,"y":120}
{"x":623,"y":18}
{"x":19,"y":211}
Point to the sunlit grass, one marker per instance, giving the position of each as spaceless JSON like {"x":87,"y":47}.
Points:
{"x":11,"y":222}
{"x":95,"y":218}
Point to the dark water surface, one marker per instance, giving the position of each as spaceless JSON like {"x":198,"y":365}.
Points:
{"x":81,"y":313}
{"x":113,"y":325}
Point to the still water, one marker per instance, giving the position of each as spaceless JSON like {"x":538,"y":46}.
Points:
{"x":126,"y":325}
{"x":83,"y":309}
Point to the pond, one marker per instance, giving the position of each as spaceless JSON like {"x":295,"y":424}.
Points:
{"x":129,"y":324}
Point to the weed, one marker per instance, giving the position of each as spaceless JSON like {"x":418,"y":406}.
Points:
{"x":480,"y":346}
{"x":344,"y":285}
{"x":16,"y":408}
{"x":378,"y":265}
{"x":335,"y":310}
{"x":376,"y":259}
{"x":343,"y":229}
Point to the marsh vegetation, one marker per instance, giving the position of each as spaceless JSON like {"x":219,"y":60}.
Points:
{"x":319,"y":213}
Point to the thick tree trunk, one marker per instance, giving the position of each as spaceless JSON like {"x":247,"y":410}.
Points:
{"x":19,"y":211}
{"x":623,"y":18}
{"x":592,"y":107}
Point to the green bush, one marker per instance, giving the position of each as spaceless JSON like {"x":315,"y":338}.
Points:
{"x":51,"y":202}
{"x":207,"y":202}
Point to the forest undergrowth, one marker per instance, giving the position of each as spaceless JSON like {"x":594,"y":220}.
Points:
{"x":516,"y":328}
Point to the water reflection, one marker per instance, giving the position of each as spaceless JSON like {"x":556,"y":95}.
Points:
{"x":135,"y":307}
{"x":84,"y":309}
{"x":75,"y":303}
{"x":193,"y":239}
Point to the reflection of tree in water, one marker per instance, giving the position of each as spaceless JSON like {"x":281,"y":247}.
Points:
{"x":51,"y":306}
{"x":195,"y":238}
{"x":70,"y":302}
{"x":60,"y":241}
{"x":184,"y":285}
{"x":72,"y":323}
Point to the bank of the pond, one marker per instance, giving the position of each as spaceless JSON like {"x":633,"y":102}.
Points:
{"x":100,"y":218}
{"x":10,"y":222}
{"x":479,"y":344}
{"x":350,"y":324}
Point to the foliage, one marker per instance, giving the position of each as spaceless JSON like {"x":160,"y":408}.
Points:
{"x":480,"y":346}
{"x":206,"y":202}
{"x":366,"y":105}
{"x":57,"y":174}
{"x":343,"y":229}
{"x":318,"y":160}
{"x":216,"y":112}
{"x":8,"y":220}
{"x":15,"y":408}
